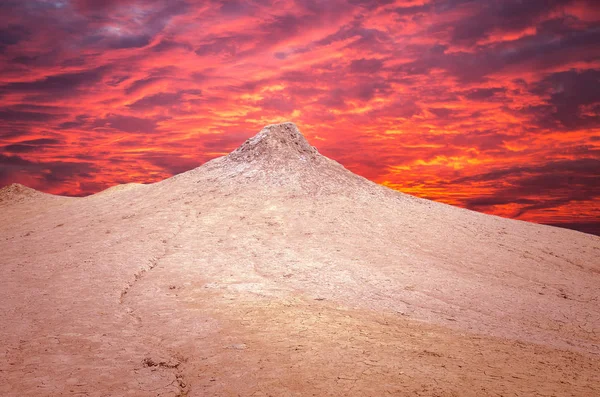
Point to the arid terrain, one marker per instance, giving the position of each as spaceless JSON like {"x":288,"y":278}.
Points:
{"x":274,"y":271}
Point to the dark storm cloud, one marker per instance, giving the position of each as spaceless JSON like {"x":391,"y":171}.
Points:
{"x":172,"y":163}
{"x":442,"y":112}
{"x":11,"y":115}
{"x":31,"y":145}
{"x":142,"y":32}
{"x":116,"y":80}
{"x":142,"y":83}
{"x":163,"y":99}
{"x":506,"y":15}
{"x":561,"y":181}
{"x":19,"y":148}
{"x":227,"y":45}
{"x":14,"y":161}
{"x":42,"y":141}
{"x":584,"y":166}
{"x":549,"y":49}
{"x":11,"y":35}
{"x":371,"y":4}
{"x":568,"y":93}
{"x":483,"y":93}
{"x":365,"y":90}
{"x":95,"y":8}
{"x":364,"y":36}
{"x":126,"y":123}
{"x":412,"y":10}
{"x":52,"y":173}
{"x":100,"y":25}
{"x":554,"y":43}
{"x":365,"y":65}
{"x":226,"y":142}
{"x":167,"y":45}
{"x":278,"y":102}
{"x":133,"y":41}
{"x":79,"y":122}
{"x":482,"y":140}
{"x":273,"y":30}
{"x":234,"y":8}
{"x":63,"y":84}
{"x":333,"y":99}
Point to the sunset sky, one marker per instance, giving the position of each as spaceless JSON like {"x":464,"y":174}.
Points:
{"x":489,"y":105}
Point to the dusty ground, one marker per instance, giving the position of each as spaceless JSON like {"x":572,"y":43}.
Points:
{"x":275,"y":271}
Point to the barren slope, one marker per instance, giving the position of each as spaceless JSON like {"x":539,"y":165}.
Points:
{"x":275,"y":271}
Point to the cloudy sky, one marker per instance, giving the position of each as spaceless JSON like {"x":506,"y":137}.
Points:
{"x":489,"y":105}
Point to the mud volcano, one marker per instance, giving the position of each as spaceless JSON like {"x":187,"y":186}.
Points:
{"x":274,"y":271}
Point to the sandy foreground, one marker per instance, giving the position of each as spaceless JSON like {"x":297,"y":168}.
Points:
{"x":274,"y":271}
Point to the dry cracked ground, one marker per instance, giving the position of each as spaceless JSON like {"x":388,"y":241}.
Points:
{"x":274,"y":271}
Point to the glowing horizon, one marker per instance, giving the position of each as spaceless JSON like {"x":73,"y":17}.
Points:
{"x":491,"y":107}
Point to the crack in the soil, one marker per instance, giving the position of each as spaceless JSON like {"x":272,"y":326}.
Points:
{"x":153,"y":262}
{"x":173,"y":365}
{"x":148,"y":362}
{"x":137,"y":276}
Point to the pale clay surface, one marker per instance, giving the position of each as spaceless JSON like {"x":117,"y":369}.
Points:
{"x":274,"y":271}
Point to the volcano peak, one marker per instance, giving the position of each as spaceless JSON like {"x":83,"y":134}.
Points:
{"x":276,"y":141}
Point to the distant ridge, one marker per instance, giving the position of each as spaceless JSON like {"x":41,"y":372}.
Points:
{"x":17,"y":192}
{"x":280,"y":155}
